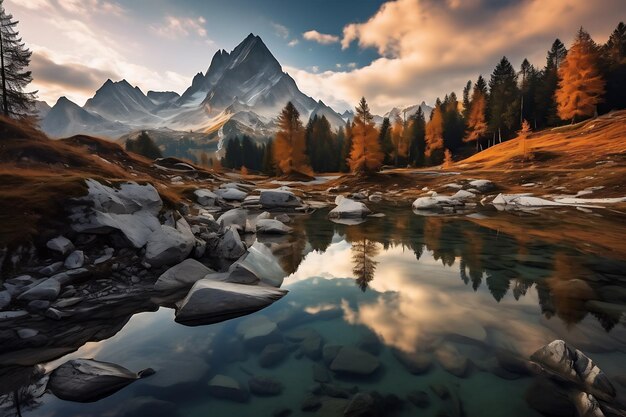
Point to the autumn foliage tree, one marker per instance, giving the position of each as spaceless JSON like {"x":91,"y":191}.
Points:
{"x":365,"y":155}
{"x":399,"y":140}
{"x":581,"y":85}
{"x":522,"y":137}
{"x":434,"y":137}
{"x":476,"y":119}
{"x":289,"y":144}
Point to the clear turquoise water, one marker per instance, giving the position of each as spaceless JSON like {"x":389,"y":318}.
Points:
{"x":414,"y":282}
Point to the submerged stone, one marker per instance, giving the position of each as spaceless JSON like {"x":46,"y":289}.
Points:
{"x":351,"y":360}
{"x":225,"y":387}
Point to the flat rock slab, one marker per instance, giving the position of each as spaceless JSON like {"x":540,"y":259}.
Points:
{"x":185,"y":274}
{"x":351,"y":360}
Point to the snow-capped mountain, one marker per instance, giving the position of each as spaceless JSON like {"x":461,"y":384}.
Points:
{"x":409,"y":111}
{"x":41,"y":109}
{"x":67,"y":118}
{"x":242,"y":92}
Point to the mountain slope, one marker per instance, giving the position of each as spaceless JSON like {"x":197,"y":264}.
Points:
{"x":66,"y":118}
{"x":122,"y":102}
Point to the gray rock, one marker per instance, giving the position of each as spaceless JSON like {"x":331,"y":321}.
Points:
{"x":5,"y":299}
{"x":282,"y":217}
{"x":265,"y":386}
{"x":311,"y":347}
{"x":258,"y":264}
{"x":67,"y":302}
{"x":183,"y":275}
{"x":47,"y":290}
{"x":225,"y":387}
{"x":361,"y":405}
{"x":416,"y":363}
{"x":321,"y":374}
{"x":272,"y":355}
{"x":38,"y":306}
{"x":27,"y":333}
{"x":75,"y":260}
{"x":549,"y":398}
{"x":206,"y":197}
{"x":258,"y":331}
{"x":51,"y":269}
{"x":211,"y":301}
{"x":235,"y":218}
{"x":231,"y":246}
{"x":231,"y":194}
{"x":560,"y":360}
{"x":108,"y":254}
{"x":351,"y":360}
{"x":330,"y":352}
{"x":270,"y":226}
{"x":279,"y":199}
{"x":88,"y":380}
{"x":311,"y":403}
{"x":419,"y":398}
{"x":586,"y":405}
{"x":451,"y":360}
{"x":60,"y":244}
{"x":169,"y":245}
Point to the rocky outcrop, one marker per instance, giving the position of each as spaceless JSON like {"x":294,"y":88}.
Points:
{"x":169,"y":245}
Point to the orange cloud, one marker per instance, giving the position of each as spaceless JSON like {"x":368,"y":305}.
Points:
{"x":323,"y":38}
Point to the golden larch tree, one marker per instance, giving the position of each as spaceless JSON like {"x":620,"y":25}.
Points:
{"x":399,"y":139}
{"x":476,"y":123}
{"x":581,"y":86}
{"x":522,"y":137}
{"x":290,"y":145}
{"x":447,"y":159}
{"x":365,"y":155}
{"x":434,"y":137}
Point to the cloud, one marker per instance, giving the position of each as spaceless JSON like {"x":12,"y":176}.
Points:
{"x":428,"y":48}
{"x":71,"y":76}
{"x":293,"y":42}
{"x":181,"y":27}
{"x":280,"y":30}
{"x":323,"y":38}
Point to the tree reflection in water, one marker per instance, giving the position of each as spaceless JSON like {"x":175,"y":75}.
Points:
{"x":363,"y":253}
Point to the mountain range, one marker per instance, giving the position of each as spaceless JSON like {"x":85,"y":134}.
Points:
{"x":242,"y":92}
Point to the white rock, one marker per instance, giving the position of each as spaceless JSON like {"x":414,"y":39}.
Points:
{"x":206,"y":197}
{"x":212,"y":301}
{"x":108,"y":254}
{"x":454,"y":186}
{"x":258,"y":263}
{"x":271,"y":226}
{"x":279,"y":199}
{"x":169,"y":245}
{"x":60,"y":244}
{"x":231,"y":194}
{"x":75,"y":260}
{"x":436,"y":202}
{"x":349,"y":209}
{"x":482,"y":185}
{"x":231,"y":246}
{"x":263,"y":216}
{"x":258,"y":330}
{"x":522,"y":200}
{"x":462,"y":195}
{"x":185,"y":274}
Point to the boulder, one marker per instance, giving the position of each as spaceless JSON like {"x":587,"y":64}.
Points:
{"x":347,"y":208}
{"x":451,"y":360}
{"x":271,"y":226}
{"x":225,"y":387}
{"x":211,"y":301}
{"x":272,"y":355}
{"x":258,"y":331}
{"x":416,"y":363}
{"x":169,"y":245}
{"x":586,"y":405}
{"x":60,"y":244}
{"x":46,"y":290}
{"x":311,"y":347}
{"x":51,"y":269}
{"x":5,"y":299}
{"x":206,"y":197}
{"x":351,"y":360}
{"x":88,"y":380}
{"x":230,"y":246}
{"x":75,"y":260}
{"x":279,"y":199}
{"x":361,"y":405}
{"x":462,"y":195}
{"x":235,"y":218}
{"x":558,"y":359}
{"x":321,"y":374}
{"x":185,"y":274}
{"x":258,"y":263}
{"x":231,"y":194}
{"x":265,"y":386}
{"x":330,"y":352}
{"x":435,"y":202}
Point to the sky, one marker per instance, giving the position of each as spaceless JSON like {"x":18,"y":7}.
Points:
{"x":395,"y":53}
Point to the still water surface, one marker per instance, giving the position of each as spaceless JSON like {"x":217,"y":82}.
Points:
{"x":473,"y":286}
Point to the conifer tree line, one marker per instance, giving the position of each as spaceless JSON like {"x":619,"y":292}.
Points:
{"x":585,"y":81}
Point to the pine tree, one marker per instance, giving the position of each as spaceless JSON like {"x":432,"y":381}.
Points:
{"x":418,"y":141}
{"x":365,"y":155}
{"x":503,"y":104}
{"x":467,"y":91}
{"x":453,"y":125}
{"x":144,"y":145}
{"x":346,"y":148}
{"x":545,"y":100}
{"x":14,"y":77}
{"x":614,"y":56}
{"x":581,"y":86}
{"x":269,"y":168}
{"x":398,"y":140}
{"x":384,"y":138}
{"x":289,"y":144}
{"x":434,"y":137}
